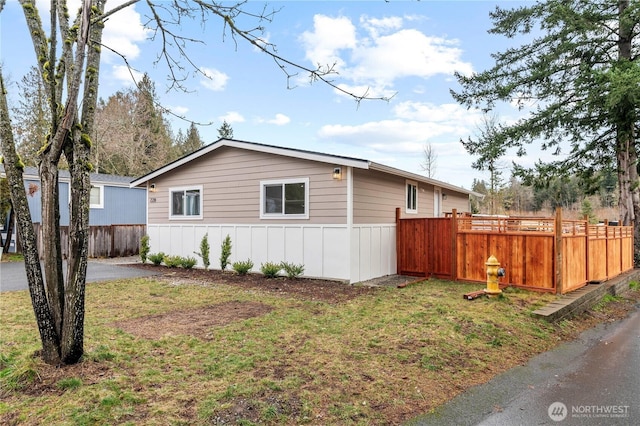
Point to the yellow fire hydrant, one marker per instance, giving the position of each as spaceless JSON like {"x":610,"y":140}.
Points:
{"x":493,"y":272}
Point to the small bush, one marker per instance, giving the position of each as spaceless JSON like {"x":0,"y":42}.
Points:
{"x":204,"y":251}
{"x":270,"y":269}
{"x":144,"y":248}
{"x":242,"y":267}
{"x":292,"y":270}
{"x":172,"y":261}
{"x":188,"y":262}
{"x":225,"y":252}
{"x":156,"y":258}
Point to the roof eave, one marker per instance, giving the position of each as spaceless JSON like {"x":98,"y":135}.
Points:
{"x":288,"y":152}
{"x":413,"y":176}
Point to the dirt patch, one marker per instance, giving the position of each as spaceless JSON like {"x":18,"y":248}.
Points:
{"x":195,"y":322}
{"x":301,"y":288}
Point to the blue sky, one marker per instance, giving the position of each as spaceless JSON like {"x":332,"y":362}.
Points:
{"x":407,"y":48}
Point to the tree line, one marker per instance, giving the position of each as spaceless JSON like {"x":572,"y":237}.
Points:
{"x":132,"y":135}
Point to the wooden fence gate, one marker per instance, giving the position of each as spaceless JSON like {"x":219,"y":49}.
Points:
{"x":425,"y":247}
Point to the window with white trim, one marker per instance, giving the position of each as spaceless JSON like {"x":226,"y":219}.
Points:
{"x":412,"y":197}
{"x":96,"y":197}
{"x":185,"y":202}
{"x":284,"y":199}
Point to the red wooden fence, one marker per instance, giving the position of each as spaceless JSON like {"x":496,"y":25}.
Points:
{"x":544,"y":254}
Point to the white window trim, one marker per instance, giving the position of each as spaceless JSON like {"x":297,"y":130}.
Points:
{"x":264,"y":183}
{"x":406,"y":197}
{"x":99,"y":205}
{"x":186,"y":188}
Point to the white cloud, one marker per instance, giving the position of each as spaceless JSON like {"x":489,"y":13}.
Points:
{"x":278,"y":120}
{"x":213,"y":79}
{"x":390,"y":135}
{"x":232,"y":117}
{"x":407,"y":53}
{"x":388,"y":52}
{"x":126,"y":76}
{"x":399,"y":141}
{"x":123,"y":32}
{"x":366,"y":91}
{"x":329,"y":36}
{"x":377,"y":25}
{"x":178,"y":110}
{"x":425,"y":111}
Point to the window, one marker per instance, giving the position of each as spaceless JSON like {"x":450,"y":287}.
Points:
{"x":186,"y":203}
{"x":96,"y":197}
{"x":412,"y":197}
{"x":287,"y":198}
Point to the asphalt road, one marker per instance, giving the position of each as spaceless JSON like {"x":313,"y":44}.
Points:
{"x":594,"y":380}
{"x":13,"y":276}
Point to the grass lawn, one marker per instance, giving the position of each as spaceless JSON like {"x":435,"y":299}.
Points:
{"x":165,"y":352}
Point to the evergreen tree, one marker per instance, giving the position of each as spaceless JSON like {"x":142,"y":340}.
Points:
{"x":153,"y":133}
{"x":193,"y":141}
{"x":579,"y":65}
{"x":225,"y":131}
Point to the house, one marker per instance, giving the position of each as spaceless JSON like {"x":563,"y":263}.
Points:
{"x":112,"y":204}
{"x":335,"y":215}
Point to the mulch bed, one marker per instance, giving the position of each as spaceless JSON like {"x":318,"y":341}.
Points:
{"x":302,"y":288}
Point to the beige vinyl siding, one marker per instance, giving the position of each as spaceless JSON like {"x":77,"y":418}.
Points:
{"x":455,"y":200}
{"x":231,"y":187}
{"x":376,"y":195}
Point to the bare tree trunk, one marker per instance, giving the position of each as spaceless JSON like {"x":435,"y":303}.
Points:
{"x":51,"y":246}
{"x":77,"y":151}
{"x":13,"y":169}
{"x":627,"y":155}
{"x":7,"y":243}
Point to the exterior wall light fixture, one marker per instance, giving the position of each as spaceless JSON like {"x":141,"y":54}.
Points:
{"x":337,"y":173}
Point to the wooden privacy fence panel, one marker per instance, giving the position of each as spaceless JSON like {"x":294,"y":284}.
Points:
{"x":425,"y":247}
{"x":545,"y":254}
{"x":104,"y":241}
{"x":517,"y":254}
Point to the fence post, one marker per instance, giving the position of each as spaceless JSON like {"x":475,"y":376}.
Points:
{"x":454,"y":245}
{"x":558,"y":251}
{"x":398,"y":248}
{"x":112,"y":235}
{"x":587,"y":236}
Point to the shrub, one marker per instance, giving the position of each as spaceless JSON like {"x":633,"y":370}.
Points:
{"x":270,"y":269}
{"x":172,"y":261}
{"x":156,"y":258}
{"x":292,"y":270}
{"x":225,"y":252}
{"x":144,"y":248}
{"x":204,"y":251}
{"x":188,"y":262}
{"x":242,"y":267}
